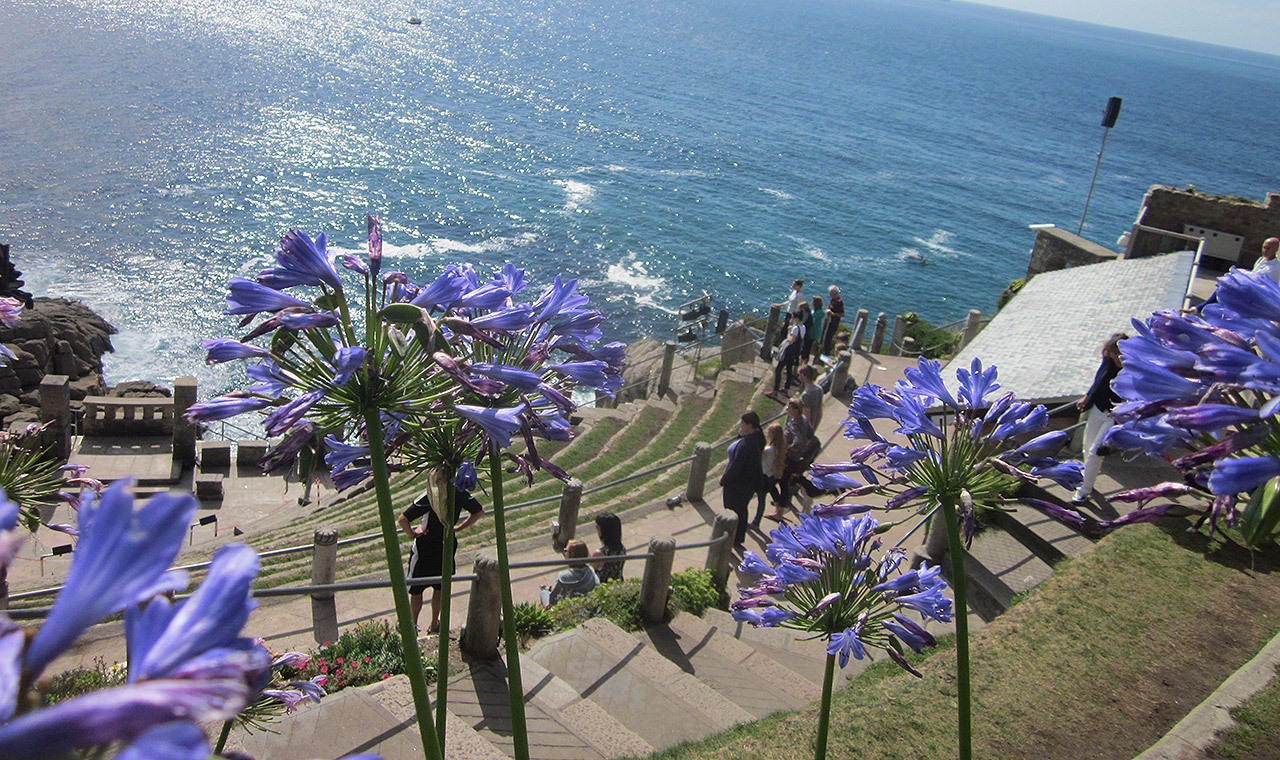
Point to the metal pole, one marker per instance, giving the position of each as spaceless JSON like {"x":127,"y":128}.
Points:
{"x":1096,"y":166}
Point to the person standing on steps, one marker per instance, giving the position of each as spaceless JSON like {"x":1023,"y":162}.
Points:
{"x":835,"y":313}
{"x":742,"y":473}
{"x":789,"y":357}
{"x":792,"y":304}
{"x":802,"y":447}
{"x":810,"y":396}
{"x":1097,"y":405}
{"x":426,"y":558}
{"x":772,"y":460}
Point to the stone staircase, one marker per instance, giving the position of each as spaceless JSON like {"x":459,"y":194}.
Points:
{"x":593,"y":692}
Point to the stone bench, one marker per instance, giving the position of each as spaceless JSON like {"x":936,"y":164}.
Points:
{"x":213,"y":455}
{"x":252,"y":451}
{"x":208,"y":486}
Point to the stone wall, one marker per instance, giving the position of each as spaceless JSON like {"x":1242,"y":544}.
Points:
{"x":1168,"y":208}
{"x":55,"y":337}
{"x":1056,"y":248}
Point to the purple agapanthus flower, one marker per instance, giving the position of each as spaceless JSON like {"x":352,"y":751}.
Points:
{"x":846,"y":643}
{"x":313,"y":321}
{"x":162,"y":637}
{"x":225,"y":349}
{"x":303,"y":261}
{"x":466,"y":479}
{"x":516,"y":377}
{"x":1242,"y":474}
{"x":123,"y":557}
{"x":341,"y":455}
{"x":499,"y":424}
{"x":976,"y":384}
{"x":346,"y":362}
{"x":374,"y":225}
{"x":223,"y":408}
{"x":248,"y":297}
{"x":291,"y":413}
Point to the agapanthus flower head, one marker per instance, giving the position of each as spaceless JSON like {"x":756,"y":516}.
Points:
{"x":823,"y":580}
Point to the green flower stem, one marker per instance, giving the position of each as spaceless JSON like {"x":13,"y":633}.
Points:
{"x":222,"y":738}
{"x":824,"y":714}
{"x":515,"y":689}
{"x":446,"y":594}
{"x":958,"y":584}
{"x":400,"y":592}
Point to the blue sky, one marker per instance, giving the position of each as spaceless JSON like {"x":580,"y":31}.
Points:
{"x":1249,"y":24}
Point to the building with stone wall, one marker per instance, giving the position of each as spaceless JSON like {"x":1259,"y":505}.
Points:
{"x":1200,"y":215}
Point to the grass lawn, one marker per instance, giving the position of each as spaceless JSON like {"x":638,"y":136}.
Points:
{"x":1257,"y":730}
{"x":1099,"y":662}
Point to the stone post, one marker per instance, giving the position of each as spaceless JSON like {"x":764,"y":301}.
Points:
{"x":877,"y":337}
{"x":698,"y":472}
{"x":184,"y":433}
{"x":55,"y":409}
{"x":655,"y":586}
{"x":859,"y":329}
{"x":570,"y":503}
{"x":840,"y":375}
{"x":909,"y":347}
{"x":720,"y":556}
{"x":324,"y":569}
{"x":484,"y":610}
{"x":668,"y":361}
{"x":936,"y":545}
{"x":770,"y":332}
{"x":972,"y":324}
{"x":736,"y":345}
{"x":899,"y":332}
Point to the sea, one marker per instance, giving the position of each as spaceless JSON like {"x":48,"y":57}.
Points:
{"x":656,"y":150}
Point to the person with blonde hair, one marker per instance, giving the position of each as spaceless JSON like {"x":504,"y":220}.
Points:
{"x":771,"y":462}
{"x":578,"y":580}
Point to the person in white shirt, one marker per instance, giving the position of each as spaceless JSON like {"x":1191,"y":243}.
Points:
{"x":1267,"y":263}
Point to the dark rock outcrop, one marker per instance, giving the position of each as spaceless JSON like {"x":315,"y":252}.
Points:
{"x":56,"y":336}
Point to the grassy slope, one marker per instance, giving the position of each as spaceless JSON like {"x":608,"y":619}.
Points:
{"x":1100,"y":661}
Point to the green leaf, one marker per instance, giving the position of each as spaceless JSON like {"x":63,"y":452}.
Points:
{"x":402,"y":314}
{"x":1262,"y":514}
{"x":330,"y":302}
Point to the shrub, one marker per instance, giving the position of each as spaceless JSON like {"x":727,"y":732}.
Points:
{"x":532,"y":621}
{"x":931,"y":342}
{"x":692,"y":591}
{"x":619,"y":601}
{"x":73,"y":683}
{"x":365,"y":654}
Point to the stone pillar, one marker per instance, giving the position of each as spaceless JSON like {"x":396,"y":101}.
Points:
{"x":324,"y":569}
{"x":184,"y":433}
{"x":655,"y":586}
{"x":899,"y":332}
{"x":909,"y":347}
{"x":720,"y":555}
{"x":668,"y":361}
{"x":570,"y":502}
{"x":840,"y":375}
{"x":484,"y":610}
{"x":877,"y":337}
{"x":55,"y":410}
{"x":859,"y":329}
{"x":736,"y":345}
{"x":770,"y":332}
{"x":698,"y":472}
{"x":936,"y":546}
{"x":972,"y":324}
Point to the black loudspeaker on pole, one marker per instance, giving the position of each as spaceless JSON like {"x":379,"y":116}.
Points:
{"x":1109,"y":117}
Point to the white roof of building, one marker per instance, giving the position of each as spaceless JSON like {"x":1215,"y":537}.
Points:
{"x":1047,"y":341}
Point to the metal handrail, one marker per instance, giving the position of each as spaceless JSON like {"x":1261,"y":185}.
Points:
{"x":40,"y":612}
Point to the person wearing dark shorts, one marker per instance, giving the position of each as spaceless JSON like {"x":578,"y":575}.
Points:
{"x":426,"y":558}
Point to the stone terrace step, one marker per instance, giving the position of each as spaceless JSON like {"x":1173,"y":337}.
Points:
{"x":806,"y":658}
{"x":561,"y":724}
{"x":738,"y":671}
{"x":635,"y":684}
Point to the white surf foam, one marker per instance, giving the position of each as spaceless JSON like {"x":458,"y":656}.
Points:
{"x":576,"y":194}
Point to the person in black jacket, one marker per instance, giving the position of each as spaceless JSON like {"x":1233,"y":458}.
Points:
{"x":741,"y":478}
{"x":1097,"y":405}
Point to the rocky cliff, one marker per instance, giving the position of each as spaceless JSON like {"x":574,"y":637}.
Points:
{"x":57,"y":336}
